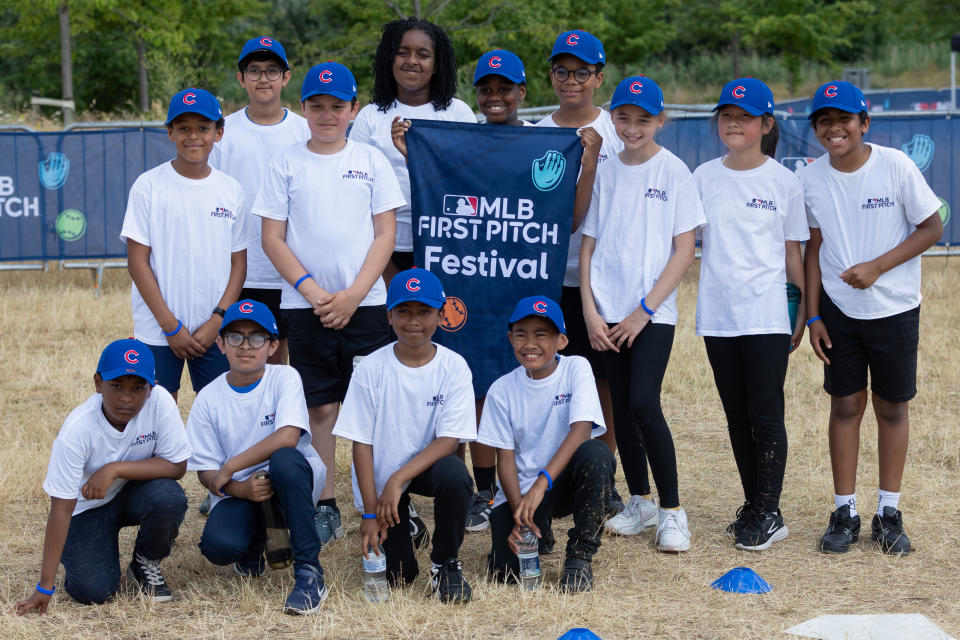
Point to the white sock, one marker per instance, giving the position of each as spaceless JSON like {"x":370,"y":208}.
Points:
{"x":850,"y":500}
{"x":887,"y":499}
{"x":434,"y":567}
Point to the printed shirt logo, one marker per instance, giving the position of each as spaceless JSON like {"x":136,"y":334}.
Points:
{"x":561,"y":399}
{"x":760,"y":203}
{"x":739,"y":91}
{"x":246,"y":307}
{"x":878,"y":203}
{"x":267,"y":42}
{"x":326,"y":76}
{"x":657,"y":194}
{"x":636,"y":87}
{"x":144,"y":438}
{"x":189,"y":98}
{"x":540,"y":306}
{"x":831,"y":91}
{"x":269,"y":420}
{"x":131,"y":356}
{"x":573,"y":39}
{"x":356,"y":174}
{"x":221,"y":212}
{"x":495,"y":62}
{"x":460,"y":205}
{"x":413,"y":284}
{"x":436,"y":401}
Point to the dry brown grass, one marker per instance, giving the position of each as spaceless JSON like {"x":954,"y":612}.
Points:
{"x":51,"y":333}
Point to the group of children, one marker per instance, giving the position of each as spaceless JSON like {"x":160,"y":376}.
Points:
{"x":305,"y":225}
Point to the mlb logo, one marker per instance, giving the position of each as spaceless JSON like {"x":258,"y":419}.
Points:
{"x":456,"y":205}
{"x":796,"y":162}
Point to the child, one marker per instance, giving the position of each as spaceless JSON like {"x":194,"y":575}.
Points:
{"x":501,"y":84}
{"x":253,"y":418}
{"x":540,"y":417}
{"x":328,"y":227}
{"x":187,"y":234}
{"x":414,"y":76}
{"x":115,"y":463}
{"x":751,"y":250}
{"x":251,"y":136}
{"x":638,"y":241}
{"x":408,"y":406}
{"x":576,"y":72}
{"x":871,"y":215}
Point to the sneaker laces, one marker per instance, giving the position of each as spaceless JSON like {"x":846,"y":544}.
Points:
{"x":671,"y":521}
{"x":150,"y":570}
{"x":634,"y":506}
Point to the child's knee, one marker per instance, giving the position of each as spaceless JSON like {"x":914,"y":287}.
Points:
{"x":454,"y":477}
{"x":166,"y":496}
{"x":848,"y":407}
{"x":90,"y":590}
{"x":286,"y":462}
{"x":891,"y":413}
{"x":222,"y":545}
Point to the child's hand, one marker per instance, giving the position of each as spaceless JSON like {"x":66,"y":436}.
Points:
{"x":255,"y":489}
{"x":398,"y":128}
{"x":629,"y":328}
{"x":206,"y":333}
{"x":224,"y":475}
{"x":797,"y":334}
{"x":591,"y":141}
{"x":372,"y":535}
{"x":387,"y":512}
{"x":98,"y":484}
{"x":316,"y":295}
{"x":184,"y":345}
{"x":818,"y":339}
{"x":861,"y":276}
{"x":523,"y":514}
{"x":597,"y":331}
{"x":37,"y":600}
{"x":336,"y":313}
{"x":514,"y":539}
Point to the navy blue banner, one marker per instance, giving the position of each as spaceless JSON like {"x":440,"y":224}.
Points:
{"x":492,"y":211}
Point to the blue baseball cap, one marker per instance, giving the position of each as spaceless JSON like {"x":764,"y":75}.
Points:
{"x":416,"y":285}
{"x":640,"y":91}
{"x":331,"y":78}
{"x":263,"y":43}
{"x":254,"y":312}
{"x":581,"y":44}
{"x":197,"y":101}
{"x":500,"y":62}
{"x":841,"y":95}
{"x":750,"y":94}
{"x":127,"y":357}
{"x":539,"y":306}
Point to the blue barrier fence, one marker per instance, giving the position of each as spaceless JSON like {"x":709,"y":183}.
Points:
{"x":63,"y":195}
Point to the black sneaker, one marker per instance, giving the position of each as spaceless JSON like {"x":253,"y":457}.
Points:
{"x":448,"y":583}
{"x":577,"y":576}
{"x":615,"y":506}
{"x":478,"y":515}
{"x":744,"y":515}
{"x":547,"y":542}
{"x":887,"y":532}
{"x":418,"y":529}
{"x":146,"y":573}
{"x":842,"y":531}
{"x":761,"y":531}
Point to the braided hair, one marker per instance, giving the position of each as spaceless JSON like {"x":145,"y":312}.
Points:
{"x":443,"y":83}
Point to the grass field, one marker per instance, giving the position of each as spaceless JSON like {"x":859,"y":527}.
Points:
{"x":52,"y":329}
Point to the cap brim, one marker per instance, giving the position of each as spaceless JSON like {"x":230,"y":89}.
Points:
{"x":842,"y":106}
{"x":649,"y":108}
{"x":513,"y":79}
{"x":340,"y":95}
{"x":111,"y":374}
{"x":517,"y":318}
{"x":752,"y":110}
{"x":207,"y":115}
{"x":436,"y":303}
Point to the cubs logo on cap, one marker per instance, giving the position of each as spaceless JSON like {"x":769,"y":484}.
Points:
{"x":250,"y":310}
{"x":541,"y":306}
{"x":639,"y":91}
{"x":831,"y":91}
{"x":636,"y":87}
{"x":416,"y":285}
{"x":838,"y":94}
{"x":263,"y":43}
{"x":413,"y":284}
{"x":189,"y":98}
{"x":573,"y":39}
{"x":245,"y":307}
{"x":329,"y":78}
{"x":750,"y":94}
{"x":581,"y":44}
{"x":196,"y":101}
{"x":326,"y":76}
{"x":500,"y":62}
{"x":127,"y":357}
{"x":131,"y":356}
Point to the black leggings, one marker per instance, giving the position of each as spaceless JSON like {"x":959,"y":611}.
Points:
{"x":636,"y":375}
{"x":749,"y":372}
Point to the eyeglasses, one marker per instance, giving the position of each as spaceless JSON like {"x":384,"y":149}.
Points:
{"x":255,"y":340}
{"x":581,"y":75}
{"x":253,"y":75}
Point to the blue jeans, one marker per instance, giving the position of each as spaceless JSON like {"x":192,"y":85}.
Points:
{"x":203,"y":370}
{"x":235,"y":530}
{"x":91,"y":554}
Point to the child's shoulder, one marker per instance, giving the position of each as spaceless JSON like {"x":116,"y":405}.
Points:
{"x":81,"y":417}
{"x":709,"y":167}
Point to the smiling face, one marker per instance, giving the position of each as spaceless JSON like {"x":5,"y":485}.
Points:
{"x":414,"y":323}
{"x":245,"y":359}
{"x":413,"y":66}
{"x":571,"y":93}
{"x":264,"y":90}
{"x":635,"y":126}
{"x":328,"y":117}
{"x":193,"y":136}
{"x":840,"y":132}
{"x":739,"y":130}
{"x":123,"y":398}
{"x":498,"y":99}
{"x":535,"y":341}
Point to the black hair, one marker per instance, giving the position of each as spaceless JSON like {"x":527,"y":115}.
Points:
{"x":261,"y":56}
{"x":863,"y":115}
{"x":219,"y":124}
{"x":443,"y":84}
{"x":768,"y":143}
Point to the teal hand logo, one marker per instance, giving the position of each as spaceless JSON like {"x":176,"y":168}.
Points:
{"x":54,"y":170}
{"x":920,"y":150}
{"x":547,"y":170}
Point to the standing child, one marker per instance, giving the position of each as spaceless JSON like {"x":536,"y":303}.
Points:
{"x":114,"y":464}
{"x":501,"y":84}
{"x":253,"y":418}
{"x":187,"y":237}
{"x":871,"y":215}
{"x":751,"y":250}
{"x":250,"y":138}
{"x":328,"y":227}
{"x":414,"y":76}
{"x":541,"y":417}
{"x":408,"y":406}
{"x":638,"y":241}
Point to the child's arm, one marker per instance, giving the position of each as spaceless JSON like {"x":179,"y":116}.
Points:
{"x":58,"y":523}
{"x":182,"y":344}
{"x":795,"y":277}
{"x":273,"y":235}
{"x":392,"y":490}
{"x":96,"y":486}
{"x":592,"y":142}
{"x":206,"y":333}
{"x":811,"y":265}
{"x":219,"y":482}
{"x":509,"y":480}
{"x":398,"y":129}
{"x":373,"y":531}
{"x":337,"y":311}
{"x":597,"y":329}
{"x":927,"y":233}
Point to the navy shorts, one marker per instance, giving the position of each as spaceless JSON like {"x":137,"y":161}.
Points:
{"x":324,"y":357}
{"x":887,"y":347}
{"x":203,"y":370}
{"x":578,"y":339}
{"x":269,"y":297}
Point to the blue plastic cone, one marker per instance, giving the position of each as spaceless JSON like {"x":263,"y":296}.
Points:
{"x":741,"y":580}
{"x":579,"y":633}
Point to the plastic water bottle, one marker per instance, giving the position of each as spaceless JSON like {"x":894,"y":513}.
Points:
{"x":528,"y":553}
{"x":375,"y":585}
{"x":278,"y":550}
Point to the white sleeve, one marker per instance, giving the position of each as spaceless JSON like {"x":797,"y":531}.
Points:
{"x":585,"y":403}
{"x":495,"y":427}
{"x":362,"y":129}
{"x":591,"y":223}
{"x":136,"y":220}
{"x":216,"y":154}
{"x":65,"y":471}
{"x":291,"y":404}
{"x":463,"y":112}
{"x":244,"y":231}
{"x":208,"y":453}
{"x":795,"y":226}
{"x":458,"y":419}
{"x":358,"y":413}
{"x":386,"y":189}
{"x":273,"y":199}
{"x":689,"y":210}
{"x":172,"y":444}
{"x":804,"y":186}
{"x":919,"y":200}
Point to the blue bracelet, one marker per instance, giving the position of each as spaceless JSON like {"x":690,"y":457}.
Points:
{"x":812,"y":320}
{"x":46,"y":592}
{"x":369,"y":516}
{"x":643,"y":305}
{"x":175,"y":331}
{"x":302,"y":278}
{"x":545,"y":474}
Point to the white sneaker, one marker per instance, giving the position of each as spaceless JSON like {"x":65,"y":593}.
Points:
{"x":639,"y":514}
{"x":672,"y":532}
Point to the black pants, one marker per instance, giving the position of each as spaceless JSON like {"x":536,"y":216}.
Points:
{"x":636,"y":375}
{"x":449,"y":484}
{"x":749,"y":372}
{"x":583,"y":489}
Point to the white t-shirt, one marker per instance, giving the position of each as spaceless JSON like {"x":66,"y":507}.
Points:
{"x":400,"y":410}
{"x":328,"y":202}
{"x":612,"y":145}
{"x":743,"y":273}
{"x":373,"y":127}
{"x":532,"y":417}
{"x":635,"y":212}
{"x":243,"y":152}
{"x":87,"y":442}
{"x":224,"y":422}
{"x":862,"y":215}
{"x":192,"y":227}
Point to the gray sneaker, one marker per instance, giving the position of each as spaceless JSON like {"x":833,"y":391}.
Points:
{"x":478,"y":515}
{"x":329,"y":526}
{"x":204,"y":507}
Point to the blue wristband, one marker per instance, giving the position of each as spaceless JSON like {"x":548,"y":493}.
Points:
{"x":812,"y":320}
{"x":46,"y":592}
{"x":643,"y":305}
{"x":545,"y":474}
{"x":174,"y":332}
{"x":302,"y":278}
{"x":369,"y":516}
